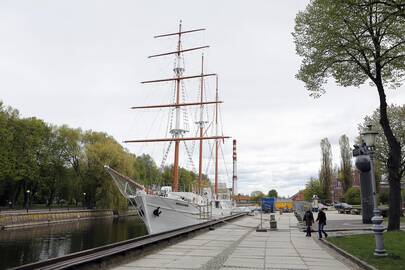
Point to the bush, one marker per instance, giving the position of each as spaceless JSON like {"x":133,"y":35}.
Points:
{"x":312,"y":187}
{"x":352,"y":196}
{"x":383,"y":197}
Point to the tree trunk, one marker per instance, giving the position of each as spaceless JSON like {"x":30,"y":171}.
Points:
{"x":393,"y":164}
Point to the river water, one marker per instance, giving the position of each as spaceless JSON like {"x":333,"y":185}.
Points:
{"x":22,"y":246}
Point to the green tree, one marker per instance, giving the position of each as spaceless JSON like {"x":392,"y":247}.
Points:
{"x":53,"y":171}
{"x":148,"y":171}
{"x":326,"y":172}
{"x":357,"y":42}
{"x":257,"y":195}
{"x":313,"y":187}
{"x":272,"y":193}
{"x":383,"y":197}
{"x":61,"y":164}
{"x":72,"y":141}
{"x":345,"y":163}
{"x":101,"y":149}
{"x":8,"y":117}
{"x":352,"y":195}
{"x":29,"y":147}
{"x":396,"y":116}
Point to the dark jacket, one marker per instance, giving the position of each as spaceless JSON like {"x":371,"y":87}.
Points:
{"x":321,"y":217}
{"x":308,"y":218}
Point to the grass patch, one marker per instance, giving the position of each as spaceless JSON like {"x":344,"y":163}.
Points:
{"x":362,"y":246}
{"x":402,"y":220}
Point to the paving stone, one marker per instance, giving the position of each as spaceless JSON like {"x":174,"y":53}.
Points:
{"x":251,"y":256}
{"x":329,"y":267}
{"x":318,"y":254}
{"x":252,"y":244}
{"x":195,"y":242}
{"x":234,"y":247}
{"x":188,"y":263}
{"x":287,"y":266}
{"x":284,"y":260}
{"x":137,"y":268}
{"x":172,"y":252}
{"x":188,"y":248}
{"x":152,"y":262}
{"x":235,"y":268}
{"x":245,"y":262}
{"x":306,"y":259}
{"x":247,"y":250}
{"x":205,"y":252}
{"x":281,"y":252}
{"x":219,"y":243}
{"x":287,"y":247}
{"x":326,"y":264}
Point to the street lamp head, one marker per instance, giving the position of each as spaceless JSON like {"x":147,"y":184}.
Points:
{"x":28,"y":191}
{"x":369,"y":135}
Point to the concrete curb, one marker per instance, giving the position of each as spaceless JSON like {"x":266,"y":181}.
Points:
{"x":47,"y":223}
{"x":34,"y":219}
{"x":340,"y":230}
{"x":349,"y":256}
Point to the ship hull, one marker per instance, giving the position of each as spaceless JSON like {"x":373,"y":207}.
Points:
{"x":162,"y":214}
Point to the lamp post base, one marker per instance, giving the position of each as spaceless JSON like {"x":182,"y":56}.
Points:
{"x":378,"y":229}
{"x":380,"y":253}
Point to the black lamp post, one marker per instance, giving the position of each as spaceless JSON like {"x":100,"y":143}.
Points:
{"x":84,"y":199}
{"x":369,"y":136}
{"x":28,"y":199}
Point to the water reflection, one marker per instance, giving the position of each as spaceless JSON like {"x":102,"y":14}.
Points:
{"x":28,"y":245}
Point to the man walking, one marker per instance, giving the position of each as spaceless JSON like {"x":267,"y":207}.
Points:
{"x":321,"y":223}
{"x":309,"y":219}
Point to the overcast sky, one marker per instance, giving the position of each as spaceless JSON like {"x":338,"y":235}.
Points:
{"x":80,"y":63}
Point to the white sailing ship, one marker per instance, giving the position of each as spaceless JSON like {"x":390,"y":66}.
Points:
{"x":172,"y":209}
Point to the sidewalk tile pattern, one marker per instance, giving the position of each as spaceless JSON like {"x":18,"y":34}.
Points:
{"x":237,"y":245}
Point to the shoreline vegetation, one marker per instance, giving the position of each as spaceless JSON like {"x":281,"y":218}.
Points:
{"x":41,"y":163}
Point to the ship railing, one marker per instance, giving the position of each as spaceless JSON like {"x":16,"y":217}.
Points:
{"x":205,"y":211}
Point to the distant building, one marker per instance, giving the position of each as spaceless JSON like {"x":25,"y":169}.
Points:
{"x":224,"y":193}
{"x":299,"y":196}
{"x":337,"y":190}
{"x":337,"y":186}
{"x":356,"y":178}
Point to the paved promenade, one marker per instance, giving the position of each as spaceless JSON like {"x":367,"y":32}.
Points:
{"x":237,"y":245}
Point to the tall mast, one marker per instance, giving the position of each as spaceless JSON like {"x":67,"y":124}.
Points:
{"x":177,"y":132}
{"x":201,"y":123}
{"x":216,"y":141}
{"x":234,"y":174}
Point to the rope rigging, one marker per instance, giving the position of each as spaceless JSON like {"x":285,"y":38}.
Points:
{"x":190,"y":157}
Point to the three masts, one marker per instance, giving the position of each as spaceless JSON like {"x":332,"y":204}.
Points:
{"x":178,"y":132}
{"x":171,"y":209}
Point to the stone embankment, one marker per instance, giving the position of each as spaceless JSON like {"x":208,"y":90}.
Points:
{"x":22,"y":219}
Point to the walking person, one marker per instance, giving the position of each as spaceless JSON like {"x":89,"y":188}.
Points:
{"x":321,"y":223}
{"x":309,"y":219}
